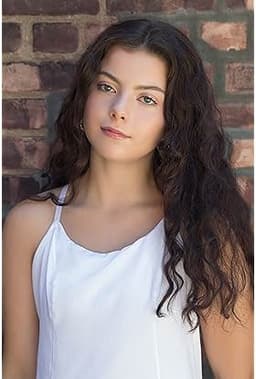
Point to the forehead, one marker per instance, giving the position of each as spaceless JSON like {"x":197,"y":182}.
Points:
{"x":136,"y":65}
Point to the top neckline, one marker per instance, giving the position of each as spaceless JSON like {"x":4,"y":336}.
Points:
{"x":112,"y":252}
{"x":57,"y":220}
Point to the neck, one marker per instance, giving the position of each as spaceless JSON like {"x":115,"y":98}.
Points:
{"x":112,"y":185}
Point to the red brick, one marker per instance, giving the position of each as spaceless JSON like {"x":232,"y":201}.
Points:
{"x":11,"y":156}
{"x":163,"y":5}
{"x":237,"y":115}
{"x":93,"y":30}
{"x":17,"y":188}
{"x":24,"y":113}
{"x":249,"y":4}
{"x":200,"y":5}
{"x":235,"y":3}
{"x":11,"y":37}
{"x":225,"y":35}
{"x":239,"y":77}
{"x":246,"y":184}
{"x":243,"y":153}
{"x":240,"y":4}
{"x":50,"y":7}
{"x":133,"y":6}
{"x":37,"y":113}
{"x":56,"y":75}
{"x":65,"y":37}
{"x":6,"y":190}
{"x":24,"y":152}
{"x":209,"y":69}
{"x":20,"y":77}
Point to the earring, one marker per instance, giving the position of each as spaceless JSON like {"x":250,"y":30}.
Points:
{"x":81,"y":126}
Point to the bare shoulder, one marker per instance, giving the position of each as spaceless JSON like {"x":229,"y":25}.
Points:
{"x":30,"y":219}
{"x":24,"y":227}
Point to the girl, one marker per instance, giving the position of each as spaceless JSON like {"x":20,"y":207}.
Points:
{"x":142,"y":242}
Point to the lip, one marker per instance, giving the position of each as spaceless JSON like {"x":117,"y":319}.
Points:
{"x":114,"y":133}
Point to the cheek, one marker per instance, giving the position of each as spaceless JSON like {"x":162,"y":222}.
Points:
{"x":153,"y":125}
{"x":90,"y":105}
{"x":96,"y":102}
{"x":94,"y":114}
{"x":96,"y":108}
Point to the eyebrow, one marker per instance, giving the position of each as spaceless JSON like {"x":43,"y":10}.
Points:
{"x":156,"y":88}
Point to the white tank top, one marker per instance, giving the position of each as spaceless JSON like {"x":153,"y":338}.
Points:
{"x":97,"y":311}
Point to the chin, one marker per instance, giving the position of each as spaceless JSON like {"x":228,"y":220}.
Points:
{"x":120,"y":155}
{"x":111,"y":154}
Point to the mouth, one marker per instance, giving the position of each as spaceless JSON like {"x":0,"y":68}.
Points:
{"x":113,"y":133}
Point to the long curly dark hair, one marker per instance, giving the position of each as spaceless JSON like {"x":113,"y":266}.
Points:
{"x":191,"y":166}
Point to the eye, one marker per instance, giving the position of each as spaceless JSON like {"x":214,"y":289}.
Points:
{"x":149,"y":100}
{"x":105,"y":87}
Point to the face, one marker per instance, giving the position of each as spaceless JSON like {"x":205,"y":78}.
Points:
{"x":127,"y":97}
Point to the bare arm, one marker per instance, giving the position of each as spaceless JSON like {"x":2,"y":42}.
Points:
{"x":229,"y":344}
{"x":20,"y":320}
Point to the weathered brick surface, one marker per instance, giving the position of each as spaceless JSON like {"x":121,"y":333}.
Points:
{"x":239,"y":77}
{"x":249,"y":4}
{"x":24,"y":114}
{"x":115,"y":6}
{"x":55,"y":38}
{"x":235,"y":3}
{"x":243,"y":153}
{"x":20,"y":77}
{"x":30,"y":77}
{"x":225,"y":35}
{"x":24,"y":152}
{"x":93,"y":29}
{"x":209,"y":69}
{"x":237,"y":115}
{"x":56,"y":75}
{"x":16,"y":188}
{"x":56,"y":7}
{"x":11,"y":37}
{"x":200,"y":5}
{"x":240,"y":4}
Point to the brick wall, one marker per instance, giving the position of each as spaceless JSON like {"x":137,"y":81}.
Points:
{"x":42,"y":39}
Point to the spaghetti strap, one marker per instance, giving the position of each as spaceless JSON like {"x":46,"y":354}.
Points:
{"x":61,"y":199}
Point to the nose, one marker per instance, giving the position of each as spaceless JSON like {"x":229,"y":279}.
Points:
{"x":117,"y":110}
{"x":116,"y":115}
